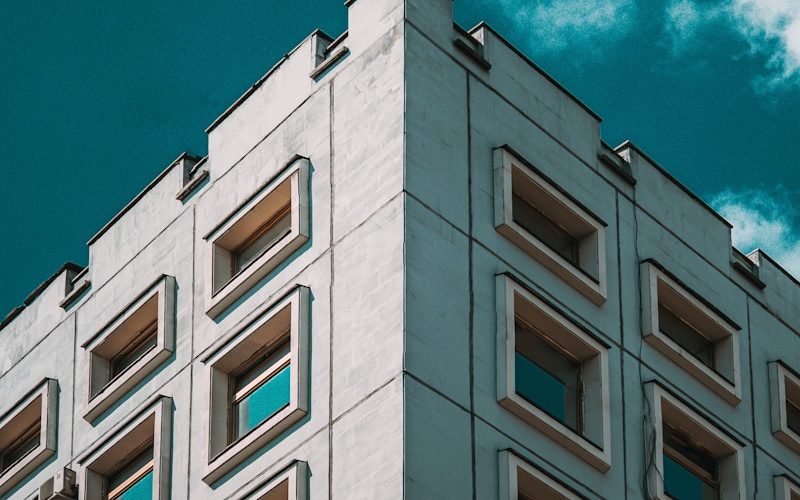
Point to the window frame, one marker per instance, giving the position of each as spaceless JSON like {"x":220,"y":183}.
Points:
{"x":727,"y":344}
{"x":297,"y":476}
{"x":223,"y":285}
{"x":511,"y":465}
{"x":785,"y":488}
{"x":781,"y":375}
{"x":593,"y":445}
{"x":163,"y":290}
{"x":47,"y":394}
{"x":224,"y":453}
{"x":152,"y":424}
{"x":506,"y":162}
{"x":728,"y":452}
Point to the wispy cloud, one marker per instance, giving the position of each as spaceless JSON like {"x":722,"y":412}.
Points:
{"x":766,"y":220}
{"x":685,"y":18}
{"x":559,"y":24}
{"x":770,"y":27}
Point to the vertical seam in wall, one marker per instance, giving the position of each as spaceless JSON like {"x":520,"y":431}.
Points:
{"x":405,"y":261}
{"x":752,"y":400}
{"x":191,"y":345}
{"x":471,"y":291}
{"x":330,"y":293}
{"x":621,"y":352}
{"x":74,"y":383}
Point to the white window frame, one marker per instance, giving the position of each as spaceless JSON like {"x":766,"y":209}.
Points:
{"x":162,"y":290}
{"x":154,"y":423}
{"x":728,"y":452}
{"x":596,"y":405}
{"x":224,"y":456}
{"x":512,"y":465}
{"x":295,"y":177}
{"x":47,"y":394}
{"x":780,"y":375}
{"x":506,"y":163}
{"x":786,"y":489}
{"x":297,"y":477}
{"x":727,"y":343}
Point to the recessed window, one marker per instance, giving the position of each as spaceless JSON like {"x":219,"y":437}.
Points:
{"x":258,"y":236}
{"x":693,"y":458}
{"x":258,"y":383}
{"x":548,"y":224}
{"x":547,"y":376}
{"x":520,"y":480}
{"x":290,"y":484}
{"x":690,"y":332}
{"x":134,"y":464}
{"x":131,"y":346}
{"x":261,"y":388}
{"x":786,"y":489}
{"x":785,"y":404}
{"x":27,"y":434}
{"x":552,"y":374}
{"x":690,"y":472}
{"x":22,"y":444}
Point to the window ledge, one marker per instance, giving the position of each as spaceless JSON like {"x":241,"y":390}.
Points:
{"x":294,"y":308}
{"x":48,"y":394}
{"x":295,"y":476}
{"x":164,"y":289}
{"x":297,"y":175}
{"x":509,"y":292}
{"x":780,"y":376}
{"x":506,"y":163}
{"x":651,"y":275}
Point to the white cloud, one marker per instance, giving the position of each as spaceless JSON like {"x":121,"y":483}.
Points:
{"x":763,"y":220}
{"x":770,"y":27}
{"x":557,"y":24}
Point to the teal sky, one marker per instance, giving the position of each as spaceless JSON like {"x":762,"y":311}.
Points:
{"x":98,"y":97}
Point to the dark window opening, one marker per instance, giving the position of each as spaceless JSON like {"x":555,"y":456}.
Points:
{"x":690,"y":472}
{"x":536,"y":221}
{"x":548,"y":377}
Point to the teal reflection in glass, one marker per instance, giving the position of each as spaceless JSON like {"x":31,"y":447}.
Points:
{"x":682,"y":484}
{"x":140,"y":490}
{"x":264,"y":401}
{"x":539,"y":387}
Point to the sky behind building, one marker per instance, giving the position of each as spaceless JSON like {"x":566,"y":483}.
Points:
{"x":98,"y":98}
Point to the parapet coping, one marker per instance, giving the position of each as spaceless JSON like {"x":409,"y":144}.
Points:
{"x":238,"y":102}
{"x":141,"y":194}
{"x":629,"y":144}
{"x":536,"y":67}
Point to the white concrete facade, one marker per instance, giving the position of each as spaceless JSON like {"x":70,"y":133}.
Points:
{"x":397,"y":123}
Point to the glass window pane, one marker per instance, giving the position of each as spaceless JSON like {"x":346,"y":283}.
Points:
{"x":140,"y":490}
{"x":682,"y":484}
{"x":538,"y":224}
{"x":262,"y":240}
{"x":685,"y":336}
{"x":547,"y":378}
{"x":24,"y":445}
{"x":263,"y":402}
{"x":540,"y":388}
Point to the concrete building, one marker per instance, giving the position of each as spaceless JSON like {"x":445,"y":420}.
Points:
{"x":409,"y":267}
